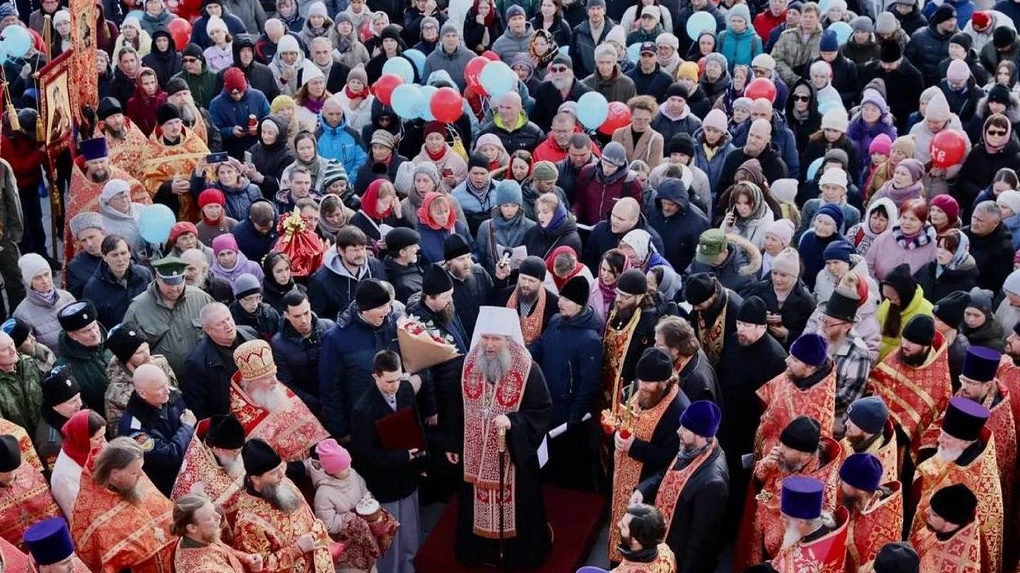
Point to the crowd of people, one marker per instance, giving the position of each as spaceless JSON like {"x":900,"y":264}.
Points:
{"x":782,"y":321}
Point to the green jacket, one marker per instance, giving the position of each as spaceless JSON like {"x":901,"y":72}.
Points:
{"x":21,"y":394}
{"x":88,"y":366}
{"x":202,"y":86}
{"x":11,"y":215}
{"x":171,"y":331}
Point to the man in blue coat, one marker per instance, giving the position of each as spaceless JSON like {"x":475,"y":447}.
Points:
{"x":570,"y":354}
{"x":232,"y":112}
{"x":348,"y":351}
{"x":157,"y":417}
{"x":337,"y":140}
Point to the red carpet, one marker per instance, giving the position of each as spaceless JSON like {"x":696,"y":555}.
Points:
{"x":575,"y":519}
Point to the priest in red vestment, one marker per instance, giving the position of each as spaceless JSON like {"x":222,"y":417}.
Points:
{"x":212,"y":465}
{"x":965,"y":455}
{"x":25,"y":496}
{"x":898,"y":557}
{"x":200,"y":550}
{"x":950,"y":540}
{"x":869,"y":430}
{"x":274,"y":520}
{"x":650,"y":439}
{"x":1009,"y":370}
{"x":814,"y":540}
{"x":120,"y":519}
{"x":126,"y":143}
{"x":978,"y":382}
{"x":268,"y":409}
{"x":173,"y":155}
{"x":642,"y":530}
{"x":875,"y":509}
{"x":90,"y":172}
{"x":806,"y":388}
{"x":693,"y":491}
{"x":801,"y":451}
{"x":914,"y":382}
{"x":51,"y":548}
{"x":506,"y":412}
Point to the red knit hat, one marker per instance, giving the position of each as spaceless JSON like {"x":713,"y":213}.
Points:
{"x":949,"y":206}
{"x":211,"y":196}
{"x":233,"y":79}
{"x":980,"y":20}
{"x":179,"y":229}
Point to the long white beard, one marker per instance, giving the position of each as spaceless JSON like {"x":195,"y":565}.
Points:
{"x":496,"y":368}
{"x":948,"y":455}
{"x":274,"y":400}
{"x":791,"y":537}
{"x":281,"y":497}
{"x":233,"y":466}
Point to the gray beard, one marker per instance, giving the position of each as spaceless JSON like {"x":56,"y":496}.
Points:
{"x":494,"y":369}
{"x":187,"y":115}
{"x":233,"y":466}
{"x":948,"y":456}
{"x":281,"y":497}
{"x":132,"y":494}
{"x":791,"y":537}
{"x":274,"y":400}
{"x":562,"y":83}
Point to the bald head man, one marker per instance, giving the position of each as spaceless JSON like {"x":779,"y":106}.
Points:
{"x":275,"y":29}
{"x":509,"y":109}
{"x":624,"y":216}
{"x":761,"y":108}
{"x":758,"y":137}
{"x":151,"y":385}
{"x":332,"y":111}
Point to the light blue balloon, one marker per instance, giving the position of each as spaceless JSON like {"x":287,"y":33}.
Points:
{"x":812,"y":169}
{"x":17,"y":41}
{"x":426,"y":99}
{"x":400,"y":67}
{"x":497,"y":78}
{"x":592,"y":110}
{"x":824,"y":5}
{"x":829,"y":105}
{"x":418,"y":58}
{"x":407,"y":101}
{"x":155,"y":222}
{"x":842,"y":31}
{"x":634,"y":52}
{"x":698,"y":23}
{"x":565,"y":50}
{"x":136,"y":14}
{"x":591,"y":569}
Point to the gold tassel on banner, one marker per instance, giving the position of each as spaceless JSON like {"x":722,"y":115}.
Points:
{"x":12,"y":113}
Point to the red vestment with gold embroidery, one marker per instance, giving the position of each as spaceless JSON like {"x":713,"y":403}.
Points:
{"x":782,"y":402}
{"x":959,"y":554}
{"x":83,"y":196}
{"x":885,"y":449}
{"x":824,"y":555}
{"x":665,"y":562}
{"x":202,"y":473}
{"x":25,"y":502}
{"x":194,"y":557}
{"x":291,"y":431}
{"x":880,"y":522}
{"x":270,"y":532}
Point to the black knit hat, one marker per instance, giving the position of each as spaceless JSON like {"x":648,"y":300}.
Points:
{"x":77,"y":315}
{"x":920,"y":329}
{"x":108,"y":106}
{"x":1000,"y":94}
{"x":436,"y":281}
{"x":943,"y":13}
{"x":1003,"y":37}
{"x":401,"y":238}
{"x":193,"y":50}
{"x":682,"y":143}
{"x":962,"y":40}
{"x":371,"y":294}
{"x":533,"y":267}
{"x":225,"y":432}
{"x":167,"y":112}
{"x":700,"y":287}
{"x":259,"y":457}
{"x":955,"y":504}
{"x":176,"y":85}
{"x":951,"y":307}
{"x":577,"y":290}
{"x":654,"y":366}
{"x":902,"y":281}
{"x":633,"y":282}
{"x":891,"y":52}
{"x":802,"y":434}
{"x":455,"y":246}
{"x":124,"y":340}
{"x":898,"y":557}
{"x":753,"y":311}
{"x":478,"y":160}
{"x":10,"y":453}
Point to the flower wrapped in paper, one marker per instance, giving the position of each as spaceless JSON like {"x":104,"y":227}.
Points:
{"x":421,"y":344}
{"x":299,"y":241}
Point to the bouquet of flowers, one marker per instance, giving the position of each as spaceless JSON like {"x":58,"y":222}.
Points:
{"x":421,"y":344}
{"x":299,"y":241}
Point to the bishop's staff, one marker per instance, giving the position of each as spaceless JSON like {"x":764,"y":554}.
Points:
{"x":502,"y":484}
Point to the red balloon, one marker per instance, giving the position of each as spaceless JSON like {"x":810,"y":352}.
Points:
{"x":473,"y":73}
{"x":447,"y":105}
{"x":384,"y":86}
{"x":761,"y":88}
{"x":180,"y":31}
{"x":619,"y":116}
{"x":366,"y":30}
{"x":948,"y":148}
{"x":492,"y":56}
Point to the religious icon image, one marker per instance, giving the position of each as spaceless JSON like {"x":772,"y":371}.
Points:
{"x":58,"y":120}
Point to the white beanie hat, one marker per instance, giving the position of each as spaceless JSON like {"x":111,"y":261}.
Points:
{"x":1011,"y":199}
{"x":833,"y":176}
{"x":782,"y":229}
{"x":31,"y":265}
{"x":215,"y":23}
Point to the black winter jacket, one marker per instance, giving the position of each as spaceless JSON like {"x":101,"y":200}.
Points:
{"x":206,"y":381}
{"x":926,"y":49}
{"x":993,"y":254}
{"x":679,"y":232}
{"x":297,"y":360}
{"x":570,"y":354}
{"x":331,"y":288}
{"x":110,"y":296}
{"x":391,"y":474}
{"x":527,"y":137}
{"x":170,"y":438}
{"x":951,"y":280}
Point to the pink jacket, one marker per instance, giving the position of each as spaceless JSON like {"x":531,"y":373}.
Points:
{"x":885,"y":254}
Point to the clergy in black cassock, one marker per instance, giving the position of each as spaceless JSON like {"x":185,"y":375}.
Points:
{"x":502,"y":388}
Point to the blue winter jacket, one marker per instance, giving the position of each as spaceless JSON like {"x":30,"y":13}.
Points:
{"x":226,"y":113}
{"x":739,"y":48}
{"x":432,"y":241}
{"x":345,"y":365}
{"x":570,"y":354}
{"x":341,"y":143}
